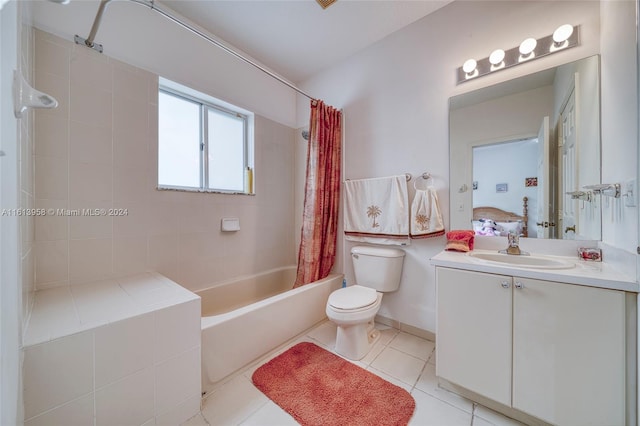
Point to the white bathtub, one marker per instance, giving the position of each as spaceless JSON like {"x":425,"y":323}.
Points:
{"x":245,"y":318}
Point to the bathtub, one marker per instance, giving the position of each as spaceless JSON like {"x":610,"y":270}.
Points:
{"x":246,"y":318}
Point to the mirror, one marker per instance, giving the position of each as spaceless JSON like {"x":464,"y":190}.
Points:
{"x":523,"y":151}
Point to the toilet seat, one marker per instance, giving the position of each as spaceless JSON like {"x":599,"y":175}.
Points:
{"x":352,"y":299}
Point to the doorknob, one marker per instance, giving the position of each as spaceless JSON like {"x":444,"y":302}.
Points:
{"x":519,"y":285}
{"x":546,"y":224}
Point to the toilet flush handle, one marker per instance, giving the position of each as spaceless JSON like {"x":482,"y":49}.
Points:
{"x":355,"y":256}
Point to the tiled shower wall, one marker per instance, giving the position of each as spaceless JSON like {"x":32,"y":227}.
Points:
{"x":98,"y":150}
{"x":26,"y":179}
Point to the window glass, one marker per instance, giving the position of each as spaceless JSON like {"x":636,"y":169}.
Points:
{"x":203,"y":143}
{"x":178,"y":142}
{"x":226,"y":156}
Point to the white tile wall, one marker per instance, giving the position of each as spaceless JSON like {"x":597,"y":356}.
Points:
{"x":129,"y":401}
{"x":176,"y":379}
{"x":78,"y":412}
{"x":98,"y":149}
{"x":57,"y":372}
{"x":122,"y":352}
{"x":123,"y":348}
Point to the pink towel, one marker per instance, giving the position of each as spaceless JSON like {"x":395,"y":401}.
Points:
{"x":460,"y":240}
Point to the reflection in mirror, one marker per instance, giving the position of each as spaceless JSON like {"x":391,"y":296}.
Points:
{"x":522,"y":152}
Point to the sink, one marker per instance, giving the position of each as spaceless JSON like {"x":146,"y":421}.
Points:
{"x":535,"y":262}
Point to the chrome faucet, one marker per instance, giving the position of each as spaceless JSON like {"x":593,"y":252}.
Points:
{"x":513,"y":247}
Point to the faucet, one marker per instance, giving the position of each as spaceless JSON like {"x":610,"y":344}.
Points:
{"x":513,"y":247}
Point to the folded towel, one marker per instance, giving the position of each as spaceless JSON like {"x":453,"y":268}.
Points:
{"x":377,"y":210}
{"x":426,"y":218}
{"x":460,"y":240}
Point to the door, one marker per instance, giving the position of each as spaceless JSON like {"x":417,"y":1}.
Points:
{"x":568,"y":353}
{"x":543,"y":218}
{"x":474,"y":332}
{"x":569,"y":172}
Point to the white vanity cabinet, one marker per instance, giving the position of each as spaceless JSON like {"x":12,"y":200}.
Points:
{"x":554,"y":351}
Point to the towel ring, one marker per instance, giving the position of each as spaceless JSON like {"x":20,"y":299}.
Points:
{"x":426,"y":177}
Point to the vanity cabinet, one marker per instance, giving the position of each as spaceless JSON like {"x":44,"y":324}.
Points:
{"x":554,"y":351}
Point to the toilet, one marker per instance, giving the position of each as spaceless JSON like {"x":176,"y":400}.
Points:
{"x":353,"y":308}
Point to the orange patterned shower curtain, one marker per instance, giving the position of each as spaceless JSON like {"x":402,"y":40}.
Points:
{"x":317,"y":251}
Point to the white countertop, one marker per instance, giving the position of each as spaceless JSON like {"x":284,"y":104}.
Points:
{"x":592,"y":274}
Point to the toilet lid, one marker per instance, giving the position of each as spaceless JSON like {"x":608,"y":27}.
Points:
{"x":353,"y":297}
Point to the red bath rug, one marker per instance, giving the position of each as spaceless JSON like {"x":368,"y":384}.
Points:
{"x":319,"y":388}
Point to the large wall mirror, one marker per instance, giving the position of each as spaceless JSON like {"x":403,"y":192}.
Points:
{"x":524,"y":152}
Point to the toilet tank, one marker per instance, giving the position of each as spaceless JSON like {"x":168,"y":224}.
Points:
{"x":377,"y":267}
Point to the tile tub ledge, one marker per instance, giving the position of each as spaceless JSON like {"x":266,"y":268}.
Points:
{"x":119,"y":351}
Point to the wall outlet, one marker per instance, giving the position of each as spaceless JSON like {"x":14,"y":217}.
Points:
{"x":629,"y":193}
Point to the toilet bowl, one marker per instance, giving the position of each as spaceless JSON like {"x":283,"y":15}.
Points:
{"x":353,"y":309}
{"x":377,"y":270}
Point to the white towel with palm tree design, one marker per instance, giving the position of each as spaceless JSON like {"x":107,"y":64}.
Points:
{"x":426,"y":217}
{"x":377,"y":210}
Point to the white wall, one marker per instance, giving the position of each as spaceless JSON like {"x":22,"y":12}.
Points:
{"x":395,"y":98}
{"x":619,"y":83}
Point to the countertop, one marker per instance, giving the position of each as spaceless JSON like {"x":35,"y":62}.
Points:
{"x":592,"y":274}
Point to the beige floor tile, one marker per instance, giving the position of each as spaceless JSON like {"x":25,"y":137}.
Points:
{"x":232,"y":403}
{"x":270,"y":414}
{"x":493,"y":417}
{"x":399,"y":365}
{"x":413,"y":345}
{"x":428,"y":383}
{"x":432,"y":411}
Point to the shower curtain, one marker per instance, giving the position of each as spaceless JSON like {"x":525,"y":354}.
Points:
{"x":317,"y":250}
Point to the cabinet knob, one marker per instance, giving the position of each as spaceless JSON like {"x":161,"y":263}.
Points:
{"x":519,"y":285}
{"x":505,"y":284}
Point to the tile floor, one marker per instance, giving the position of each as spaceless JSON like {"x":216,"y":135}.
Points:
{"x":402,"y":359}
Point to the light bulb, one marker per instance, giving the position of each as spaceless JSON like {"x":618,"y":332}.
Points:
{"x":528,"y":46}
{"x":469,"y":66}
{"x":563,"y":33}
{"x":496,"y":57}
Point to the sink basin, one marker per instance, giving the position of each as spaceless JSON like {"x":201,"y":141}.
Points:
{"x":535,"y":262}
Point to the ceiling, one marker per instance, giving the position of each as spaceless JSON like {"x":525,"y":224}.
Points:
{"x":297,"y":38}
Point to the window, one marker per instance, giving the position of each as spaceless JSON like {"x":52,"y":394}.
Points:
{"x":203,"y":143}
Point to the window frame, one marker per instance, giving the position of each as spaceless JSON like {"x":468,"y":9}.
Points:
{"x":206,"y":103}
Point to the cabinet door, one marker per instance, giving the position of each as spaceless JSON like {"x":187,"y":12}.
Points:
{"x":473,"y":332}
{"x":568,"y":353}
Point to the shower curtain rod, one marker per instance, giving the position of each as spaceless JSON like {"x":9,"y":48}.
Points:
{"x":89,"y":41}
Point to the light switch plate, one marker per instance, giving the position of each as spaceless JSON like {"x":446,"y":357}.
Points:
{"x":629,"y":193}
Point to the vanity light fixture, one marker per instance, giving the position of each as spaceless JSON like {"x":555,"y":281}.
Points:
{"x":496,"y":59}
{"x":563,"y":37}
{"x":527,"y":48}
{"x":470,"y":67}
